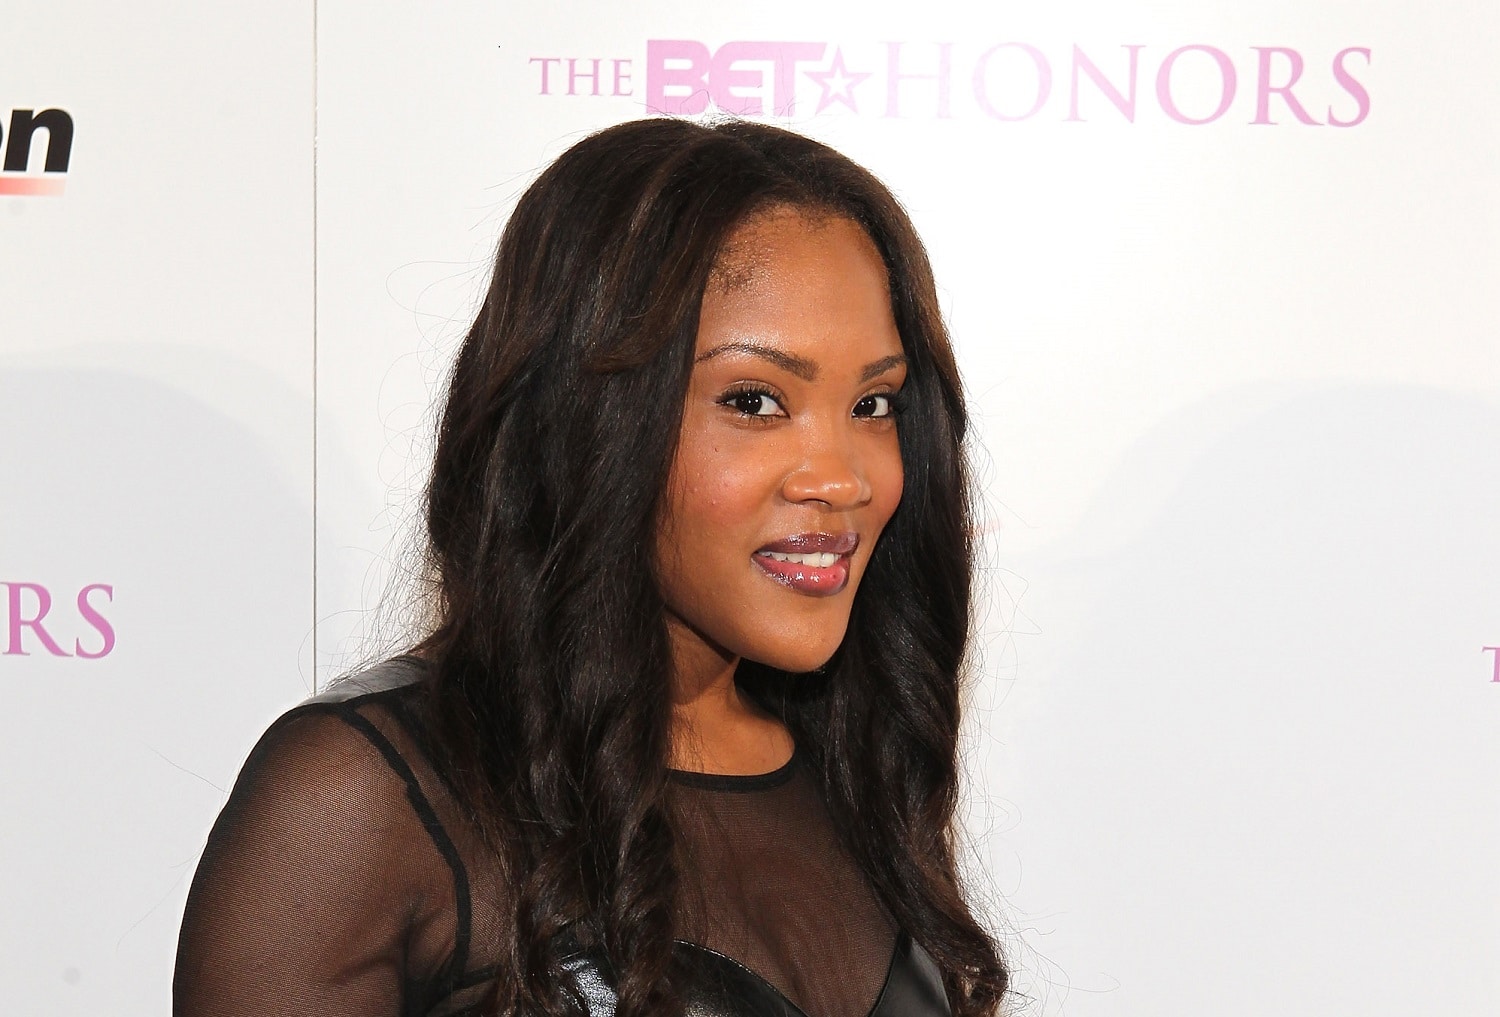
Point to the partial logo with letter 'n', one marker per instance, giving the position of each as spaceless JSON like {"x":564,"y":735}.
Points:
{"x":19,"y":138}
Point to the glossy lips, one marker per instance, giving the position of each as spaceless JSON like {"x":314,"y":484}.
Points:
{"x":816,"y":564}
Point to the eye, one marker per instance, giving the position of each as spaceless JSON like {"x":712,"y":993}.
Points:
{"x":877,"y":405}
{"x":753,"y":402}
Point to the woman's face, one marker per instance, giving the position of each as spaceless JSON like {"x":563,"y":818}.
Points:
{"x":787,"y":468}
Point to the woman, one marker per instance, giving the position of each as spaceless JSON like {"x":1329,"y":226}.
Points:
{"x":684,"y":733}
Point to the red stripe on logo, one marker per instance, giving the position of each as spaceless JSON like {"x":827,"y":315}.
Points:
{"x":31,"y":186}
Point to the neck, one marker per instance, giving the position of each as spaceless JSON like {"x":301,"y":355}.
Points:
{"x":715,"y":728}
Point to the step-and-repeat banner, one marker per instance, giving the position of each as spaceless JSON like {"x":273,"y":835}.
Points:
{"x":1225,"y":285}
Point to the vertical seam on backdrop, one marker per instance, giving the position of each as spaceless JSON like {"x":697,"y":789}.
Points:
{"x":314,"y":167}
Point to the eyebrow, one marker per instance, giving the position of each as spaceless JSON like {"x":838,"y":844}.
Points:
{"x":800,"y":366}
{"x":881,"y":366}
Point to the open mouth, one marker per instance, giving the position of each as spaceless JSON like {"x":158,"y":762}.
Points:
{"x":816,"y":564}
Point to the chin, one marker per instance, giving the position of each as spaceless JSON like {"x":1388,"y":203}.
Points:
{"x":800,"y":637}
{"x":799,"y":657}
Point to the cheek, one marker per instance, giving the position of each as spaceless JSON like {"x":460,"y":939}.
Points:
{"x":727,"y":481}
{"x":716,"y":499}
{"x":706,"y":494}
{"x":887,"y":480}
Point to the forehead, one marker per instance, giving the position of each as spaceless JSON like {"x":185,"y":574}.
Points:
{"x":783,"y":232}
{"x":796,"y":277}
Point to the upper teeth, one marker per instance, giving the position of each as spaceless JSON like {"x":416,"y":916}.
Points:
{"x":817,"y":560}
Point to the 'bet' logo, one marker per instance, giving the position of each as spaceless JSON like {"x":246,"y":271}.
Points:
{"x":683,"y":76}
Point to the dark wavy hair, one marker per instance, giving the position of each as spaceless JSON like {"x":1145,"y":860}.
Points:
{"x":550,"y":663}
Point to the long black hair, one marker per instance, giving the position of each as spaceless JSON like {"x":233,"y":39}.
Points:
{"x":550,"y":666}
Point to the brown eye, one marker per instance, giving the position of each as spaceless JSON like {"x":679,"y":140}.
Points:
{"x":877,"y":406}
{"x":754,"y":403}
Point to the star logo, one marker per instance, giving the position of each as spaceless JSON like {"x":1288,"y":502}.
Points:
{"x":837,"y":83}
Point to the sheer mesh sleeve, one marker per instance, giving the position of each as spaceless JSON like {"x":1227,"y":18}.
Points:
{"x":311,"y":884}
{"x":342,"y":879}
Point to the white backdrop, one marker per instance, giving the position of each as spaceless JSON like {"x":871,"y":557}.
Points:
{"x":1234,"y":369}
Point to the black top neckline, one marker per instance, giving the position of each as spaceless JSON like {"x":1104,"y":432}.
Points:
{"x":690,"y":778}
{"x":737,"y":781}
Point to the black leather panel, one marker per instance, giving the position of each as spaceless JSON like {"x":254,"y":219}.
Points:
{"x":720,"y":986}
{"x":914,"y":985}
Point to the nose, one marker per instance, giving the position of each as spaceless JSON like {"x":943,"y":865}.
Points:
{"x":831,"y":473}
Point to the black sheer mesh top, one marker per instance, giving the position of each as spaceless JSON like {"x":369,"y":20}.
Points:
{"x":341,"y":881}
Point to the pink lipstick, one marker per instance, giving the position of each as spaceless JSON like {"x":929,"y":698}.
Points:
{"x":816,"y":564}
